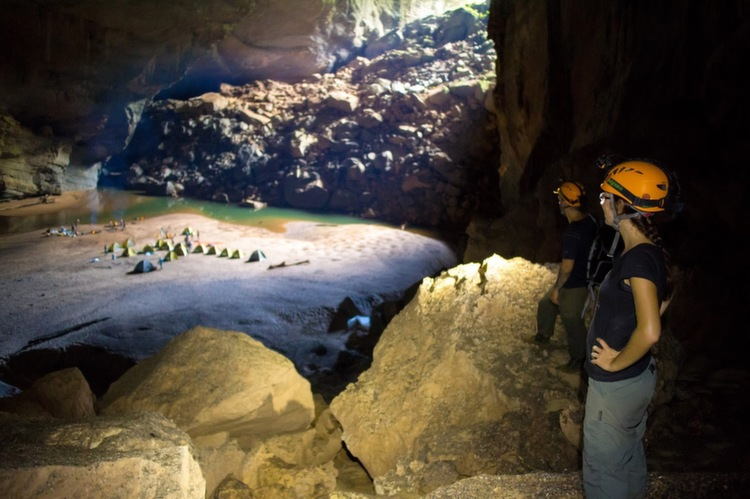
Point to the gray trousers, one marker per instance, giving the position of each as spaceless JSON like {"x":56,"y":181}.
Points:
{"x":571,"y":304}
{"x":614,"y":462}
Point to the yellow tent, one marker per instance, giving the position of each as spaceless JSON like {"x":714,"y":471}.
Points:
{"x":199,"y":249}
{"x":212,"y":250}
{"x":148,"y":249}
{"x":181,"y":249}
{"x":163,"y":244}
{"x":188,"y":231}
{"x":170,"y":256}
{"x":126,"y":252}
{"x":113,"y":247}
{"x":225,"y":252}
{"x":129,"y":243}
{"x":237,"y":254}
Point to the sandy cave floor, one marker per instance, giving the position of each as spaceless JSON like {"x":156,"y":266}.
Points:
{"x":50,"y":287}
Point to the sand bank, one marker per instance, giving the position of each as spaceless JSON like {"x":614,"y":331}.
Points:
{"x":56,"y":294}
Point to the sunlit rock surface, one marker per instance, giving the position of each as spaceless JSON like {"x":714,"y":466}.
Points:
{"x":37,"y":164}
{"x":455,"y":391}
{"x":210,"y":381}
{"x":135,"y":456}
{"x":403,"y":137}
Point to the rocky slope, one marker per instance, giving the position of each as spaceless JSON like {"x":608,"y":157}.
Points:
{"x":82,"y":71}
{"x":455,"y":391}
{"x":403,"y":136}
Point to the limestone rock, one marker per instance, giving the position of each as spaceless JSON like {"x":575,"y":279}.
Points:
{"x":454,"y":390}
{"x":210,"y":381}
{"x":342,"y":101}
{"x":211,"y":102}
{"x":272,"y":463}
{"x":231,"y":488}
{"x":135,"y":456}
{"x":65,"y":394}
{"x":31,"y":164}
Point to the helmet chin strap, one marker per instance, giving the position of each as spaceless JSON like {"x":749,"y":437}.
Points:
{"x":616,"y":219}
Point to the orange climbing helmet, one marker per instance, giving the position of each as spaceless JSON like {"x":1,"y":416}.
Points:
{"x":572,"y":192}
{"x":642,"y":185}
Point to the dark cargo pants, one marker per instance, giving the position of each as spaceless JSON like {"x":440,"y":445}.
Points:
{"x":571,"y":305}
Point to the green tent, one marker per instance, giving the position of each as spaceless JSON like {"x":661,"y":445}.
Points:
{"x":188,"y":231}
{"x":114,"y":247}
{"x":212,"y":250}
{"x":199,"y":249}
{"x":170,"y":256}
{"x":129,"y":243}
{"x":225,"y":252}
{"x":181,"y":249}
{"x":127,"y":252}
{"x":163,"y":244}
{"x":148,"y":249}
{"x":237,"y":254}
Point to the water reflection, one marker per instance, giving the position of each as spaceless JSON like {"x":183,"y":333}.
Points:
{"x":103,"y":205}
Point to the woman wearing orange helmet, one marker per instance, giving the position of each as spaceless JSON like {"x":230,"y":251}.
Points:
{"x":626,"y":324}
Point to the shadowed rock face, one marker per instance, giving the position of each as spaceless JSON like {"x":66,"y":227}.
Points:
{"x":81,"y":71}
{"x":656,"y":80}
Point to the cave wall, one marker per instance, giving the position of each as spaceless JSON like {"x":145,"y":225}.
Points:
{"x":643,"y":79}
{"x":81,"y":71}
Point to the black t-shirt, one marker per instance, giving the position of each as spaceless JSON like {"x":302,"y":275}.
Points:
{"x":614,"y":318}
{"x":576,"y":243}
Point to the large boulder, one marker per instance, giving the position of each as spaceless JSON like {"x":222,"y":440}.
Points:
{"x":454,"y":390}
{"x":134,"y":456}
{"x":210,"y":381}
{"x":293,"y":464}
{"x":61,"y":394}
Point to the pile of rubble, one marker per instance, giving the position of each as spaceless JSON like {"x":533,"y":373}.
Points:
{"x":400,"y":135}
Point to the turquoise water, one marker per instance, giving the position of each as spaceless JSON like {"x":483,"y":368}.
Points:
{"x":101,"y":206}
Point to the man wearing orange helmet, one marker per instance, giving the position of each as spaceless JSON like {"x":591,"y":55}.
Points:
{"x":626,"y":324}
{"x":568,"y":295}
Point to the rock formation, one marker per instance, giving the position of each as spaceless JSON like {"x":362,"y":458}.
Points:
{"x":135,"y":456}
{"x":209,"y":382}
{"x":454,"y":391}
{"x":246,"y":408}
{"x":61,"y":394}
{"x":83,"y":71}
{"x":402,"y":137}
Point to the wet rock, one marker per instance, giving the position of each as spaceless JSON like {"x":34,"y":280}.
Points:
{"x":142,"y":455}
{"x":307,"y":192}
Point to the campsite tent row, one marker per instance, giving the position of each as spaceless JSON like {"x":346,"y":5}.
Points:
{"x":181,"y":250}
{"x":145,"y":266}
